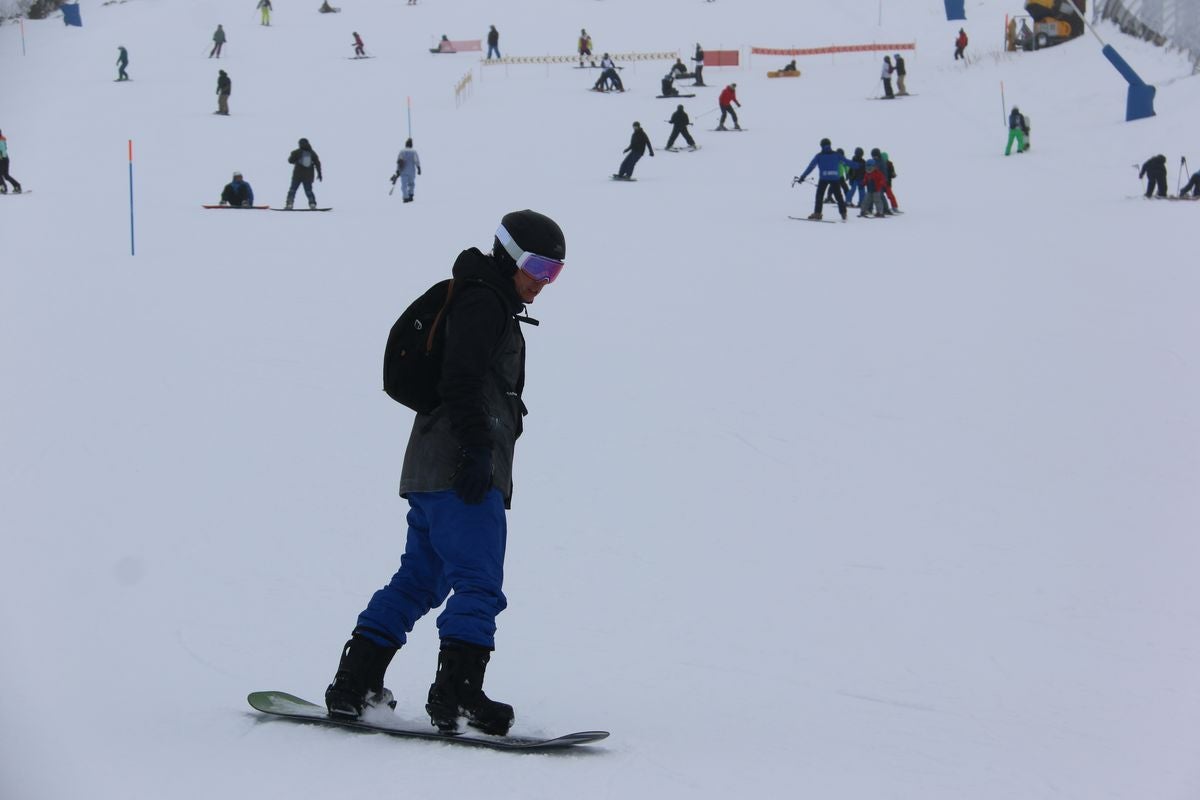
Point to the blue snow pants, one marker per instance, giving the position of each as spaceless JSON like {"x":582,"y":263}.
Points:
{"x":451,"y":547}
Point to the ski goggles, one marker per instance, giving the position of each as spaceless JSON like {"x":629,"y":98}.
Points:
{"x":541,"y":268}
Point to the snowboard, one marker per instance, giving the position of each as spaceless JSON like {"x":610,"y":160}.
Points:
{"x":286,"y":706}
{"x":680,"y":149}
{"x":357,"y":58}
{"x":669,"y":96}
{"x":727,"y":130}
{"x":621,"y":178}
{"x":23,"y":191}
{"x":240,"y":208}
{"x":806,"y":219}
{"x":303,"y":209}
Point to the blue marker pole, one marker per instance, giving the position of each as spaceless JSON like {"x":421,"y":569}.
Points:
{"x":132,"y":249}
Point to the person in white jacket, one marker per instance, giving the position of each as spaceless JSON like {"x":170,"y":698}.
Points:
{"x":408,"y":167}
{"x":886,"y":75}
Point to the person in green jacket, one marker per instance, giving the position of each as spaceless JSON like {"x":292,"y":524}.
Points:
{"x":265,"y":7}
{"x":122,"y":63}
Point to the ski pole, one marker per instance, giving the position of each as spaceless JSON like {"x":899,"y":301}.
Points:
{"x":1182,"y":171}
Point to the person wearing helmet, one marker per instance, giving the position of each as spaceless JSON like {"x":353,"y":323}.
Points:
{"x":408,"y":167}
{"x":639,"y":142}
{"x":1017,"y":130}
{"x":457,"y":478}
{"x":237,"y":193}
{"x":122,"y":63}
{"x":829,"y":164}
{"x":886,"y":76}
{"x":874,"y":182}
{"x":224,"y":89}
{"x":1155,"y":173}
{"x":679,"y":127}
{"x":306,"y":164}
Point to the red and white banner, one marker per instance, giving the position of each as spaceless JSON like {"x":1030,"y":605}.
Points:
{"x":837,"y":48}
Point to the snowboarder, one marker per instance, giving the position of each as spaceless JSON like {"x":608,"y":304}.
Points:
{"x":5,"y":178}
{"x":1192,"y":186}
{"x":668,"y":85}
{"x":218,"y":42}
{"x":585,"y":46}
{"x":1155,"y":173}
{"x":609,"y":79}
{"x":264,"y":6}
{"x":726,"y":102}
{"x":493,"y":41}
{"x":444,"y":46}
{"x":679,"y":70}
{"x":122,"y":63}
{"x":224,"y":89}
{"x":359,"y":48}
{"x":886,"y":75}
{"x":306,"y":164}
{"x":1017,"y":126}
{"x":237,"y":193}
{"x":829,"y":164}
{"x":901,"y":71}
{"x":639,"y":143}
{"x":790,"y":66}
{"x":328,"y":9}
{"x":699,"y":71}
{"x":408,"y":167}
{"x":874,"y":182}
{"x":457,"y":478}
{"x":960,"y":45}
{"x":679,"y":127}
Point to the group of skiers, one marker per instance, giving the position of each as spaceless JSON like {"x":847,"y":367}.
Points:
{"x":1154,"y":170}
{"x":899,"y":70}
{"x":840,"y":178}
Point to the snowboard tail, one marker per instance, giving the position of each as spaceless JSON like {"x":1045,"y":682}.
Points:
{"x":287,"y":706}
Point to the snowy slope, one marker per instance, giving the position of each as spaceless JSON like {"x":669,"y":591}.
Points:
{"x":898,"y":508}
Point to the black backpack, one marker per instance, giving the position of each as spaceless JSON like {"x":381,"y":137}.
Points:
{"x":416,"y":345}
{"x":412,"y":360}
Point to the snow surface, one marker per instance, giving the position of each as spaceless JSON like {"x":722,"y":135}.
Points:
{"x":891,"y":509}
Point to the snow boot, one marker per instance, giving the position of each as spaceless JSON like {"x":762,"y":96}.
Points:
{"x":358,"y":682}
{"x":288,"y":205}
{"x":814,"y":216}
{"x":312,"y":205}
{"x":458,"y":691}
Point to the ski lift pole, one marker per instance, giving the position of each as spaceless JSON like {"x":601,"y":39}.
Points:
{"x":22,"y":21}
{"x":132,"y":248}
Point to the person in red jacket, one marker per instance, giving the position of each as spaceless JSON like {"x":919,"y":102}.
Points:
{"x":875,"y":183}
{"x":726,"y":101}
{"x":960,"y":45}
{"x":359,"y":47}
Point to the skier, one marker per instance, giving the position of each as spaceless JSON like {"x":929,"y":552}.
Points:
{"x":5,"y":178}
{"x":726,"y":102}
{"x":1016,"y":131}
{"x":901,"y":71}
{"x":122,"y":63}
{"x":960,"y":45}
{"x":854,"y":178}
{"x":886,"y":75}
{"x":843,"y":172}
{"x":829,"y":164}
{"x":237,"y":193}
{"x":408,"y":167}
{"x":609,"y":79}
{"x":679,"y":127}
{"x":874,"y":182}
{"x":639,"y":143}
{"x":884,"y":162}
{"x":1155,"y":173}
{"x":699,"y":71}
{"x":218,"y":42}
{"x":307,"y":163}
{"x":359,"y":49}
{"x":1193,"y":185}
{"x":224,"y":89}
{"x":493,"y":40}
{"x":457,"y":478}
{"x":668,"y":85}
{"x":585,"y":46}
{"x":265,"y":7}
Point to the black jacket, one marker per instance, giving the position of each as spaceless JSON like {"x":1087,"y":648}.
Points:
{"x":483,"y":376}
{"x":680,"y":118}
{"x":1016,"y":120}
{"x":493,"y":38}
{"x":302,"y":172}
{"x":900,"y":66}
{"x":224,"y":85}
{"x":638,"y":143}
{"x":1155,"y":168}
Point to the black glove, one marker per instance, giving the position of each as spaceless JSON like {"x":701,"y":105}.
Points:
{"x":472,"y":477}
{"x":395,"y":177}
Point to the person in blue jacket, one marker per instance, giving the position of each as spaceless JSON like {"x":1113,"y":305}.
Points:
{"x":237,"y":193}
{"x":829,"y":163}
